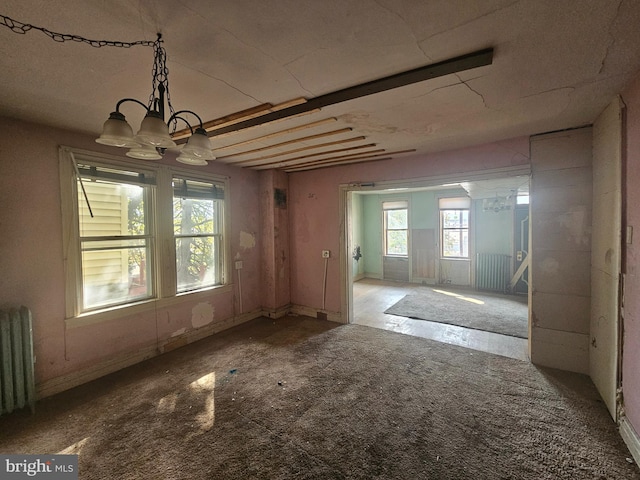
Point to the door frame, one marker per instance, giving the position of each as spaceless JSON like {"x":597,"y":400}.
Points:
{"x":346,"y":228}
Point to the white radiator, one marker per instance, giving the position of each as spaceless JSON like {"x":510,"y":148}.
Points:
{"x":493,"y":272}
{"x":17,"y":379}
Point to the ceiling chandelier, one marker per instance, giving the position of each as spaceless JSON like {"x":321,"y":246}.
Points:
{"x":153,"y":137}
{"x":498,"y":204}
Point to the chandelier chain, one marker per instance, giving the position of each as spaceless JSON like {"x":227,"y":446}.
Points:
{"x":22,"y":28}
{"x":160,"y":76}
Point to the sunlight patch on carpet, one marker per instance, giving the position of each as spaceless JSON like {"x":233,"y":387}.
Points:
{"x":204,"y":387}
{"x":460,"y":297}
{"x":75,"y":448}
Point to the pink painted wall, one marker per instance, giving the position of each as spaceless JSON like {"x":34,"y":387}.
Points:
{"x":314,"y":208}
{"x":275,"y":240}
{"x":31,"y":257}
{"x":631,"y":339}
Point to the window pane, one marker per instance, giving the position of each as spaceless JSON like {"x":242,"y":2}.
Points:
{"x":118,"y":209}
{"x":465,"y":218}
{"x":115,"y":272}
{"x":396,"y":219}
{"x":455,"y":218}
{"x":452,"y":243}
{"x":464,"y":247}
{"x":193,"y":216}
{"x":397,"y":242}
{"x":197,"y":224}
{"x":196,"y":262}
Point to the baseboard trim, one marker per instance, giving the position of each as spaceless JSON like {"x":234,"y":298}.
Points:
{"x":74,"y":379}
{"x":313,"y":313}
{"x":631,"y":438}
{"x":375,"y":276}
{"x":277,"y":312}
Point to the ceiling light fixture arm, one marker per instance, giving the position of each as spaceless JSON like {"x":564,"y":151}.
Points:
{"x":176,"y":116}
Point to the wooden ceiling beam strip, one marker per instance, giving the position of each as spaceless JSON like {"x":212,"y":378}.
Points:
{"x":290,"y":142}
{"x":367,"y":156}
{"x":453,"y":65}
{"x":304,"y":159}
{"x":240,"y":116}
{"x":227,"y":119}
{"x":276,"y":120}
{"x":280,"y":133}
{"x":316,"y":167}
{"x":301,"y":149}
{"x":328,"y":152}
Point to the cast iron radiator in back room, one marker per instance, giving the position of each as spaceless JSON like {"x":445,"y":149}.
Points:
{"x":17,"y":379}
{"x":493,"y":272}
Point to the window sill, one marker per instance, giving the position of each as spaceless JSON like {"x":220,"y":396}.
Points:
{"x":114,"y":313}
{"x":457,"y":259}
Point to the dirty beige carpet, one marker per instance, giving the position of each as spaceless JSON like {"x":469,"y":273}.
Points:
{"x":304,"y":399}
{"x":504,"y":314}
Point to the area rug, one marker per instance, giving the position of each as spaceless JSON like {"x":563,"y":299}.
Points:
{"x":491,"y":313}
{"x":298,"y":398}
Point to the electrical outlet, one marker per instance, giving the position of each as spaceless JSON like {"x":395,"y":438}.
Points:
{"x":325,"y":253}
{"x":238,"y":264}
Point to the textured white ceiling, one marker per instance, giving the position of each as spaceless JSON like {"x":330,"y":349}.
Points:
{"x":556,"y":65}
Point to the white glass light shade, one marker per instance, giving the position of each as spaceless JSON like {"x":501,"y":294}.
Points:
{"x":191,"y":160}
{"x":199,"y":146}
{"x":116,"y":132}
{"x":154,"y":132}
{"x":144,"y":152}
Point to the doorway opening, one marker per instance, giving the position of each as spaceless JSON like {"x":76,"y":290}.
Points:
{"x":446,"y":260}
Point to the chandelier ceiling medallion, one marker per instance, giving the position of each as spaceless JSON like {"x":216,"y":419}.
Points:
{"x":153,"y":136}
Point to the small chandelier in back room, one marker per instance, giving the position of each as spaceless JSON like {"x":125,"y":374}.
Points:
{"x":153,"y":137}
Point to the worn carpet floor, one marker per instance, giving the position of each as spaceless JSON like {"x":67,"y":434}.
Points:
{"x":504,"y":314}
{"x":305,"y":399}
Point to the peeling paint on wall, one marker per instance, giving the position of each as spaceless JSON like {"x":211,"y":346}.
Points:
{"x":247,"y":240}
{"x":201,"y":315}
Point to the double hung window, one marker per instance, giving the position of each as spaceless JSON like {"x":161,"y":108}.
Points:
{"x":197,"y":224}
{"x":396,"y":228}
{"x":454,"y":227}
{"x":115,"y":235}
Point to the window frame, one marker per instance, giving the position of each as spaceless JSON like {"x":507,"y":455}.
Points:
{"x":148,"y":184}
{"x":461,"y":229}
{"x":217,"y":234}
{"x":160,"y":225}
{"x":394,"y":205}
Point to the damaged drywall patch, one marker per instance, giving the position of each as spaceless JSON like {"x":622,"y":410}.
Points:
{"x":550,"y":266}
{"x":576,"y":224}
{"x":178,"y":332}
{"x":201,"y":315}
{"x":247,"y":240}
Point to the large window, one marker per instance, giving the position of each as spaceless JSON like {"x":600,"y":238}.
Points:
{"x":197,"y":226}
{"x":119,"y":222}
{"x":115,"y":236}
{"x":396,"y":228}
{"x":454,"y":227}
